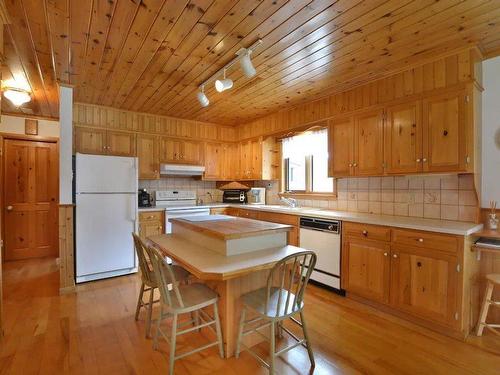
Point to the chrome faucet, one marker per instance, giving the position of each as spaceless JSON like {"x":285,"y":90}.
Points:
{"x":292,"y":202}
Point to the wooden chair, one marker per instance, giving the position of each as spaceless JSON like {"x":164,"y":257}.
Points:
{"x":149,"y":282}
{"x":281,"y":299}
{"x":183,"y":299}
{"x":491,"y":280}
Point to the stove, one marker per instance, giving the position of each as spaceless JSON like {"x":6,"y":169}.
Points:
{"x":179,"y":204}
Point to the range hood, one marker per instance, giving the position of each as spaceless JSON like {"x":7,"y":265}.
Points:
{"x":181,"y":170}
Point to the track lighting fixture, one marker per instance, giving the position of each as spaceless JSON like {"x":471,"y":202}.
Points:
{"x":223,"y":84}
{"x":246,"y":64}
{"x":243,"y":57}
{"x":202,"y":98}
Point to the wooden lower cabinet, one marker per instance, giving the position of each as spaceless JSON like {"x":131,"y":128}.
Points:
{"x":151,"y":223}
{"x":366,"y":268}
{"x":424,"y":283}
{"x":414,"y":281}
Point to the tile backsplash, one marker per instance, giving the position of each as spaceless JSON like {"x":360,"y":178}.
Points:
{"x":206,"y":190}
{"x":448,"y":197}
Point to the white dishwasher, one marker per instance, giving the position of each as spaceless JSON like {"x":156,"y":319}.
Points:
{"x":323,"y":237}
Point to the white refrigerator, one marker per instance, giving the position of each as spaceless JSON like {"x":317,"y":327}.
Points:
{"x":106,"y":216}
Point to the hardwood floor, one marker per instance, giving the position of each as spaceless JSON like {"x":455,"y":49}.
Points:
{"x":93,"y":331}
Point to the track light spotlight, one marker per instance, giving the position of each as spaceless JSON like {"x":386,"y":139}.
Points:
{"x":247,"y":66}
{"x":202,"y":98}
{"x":223,"y":84}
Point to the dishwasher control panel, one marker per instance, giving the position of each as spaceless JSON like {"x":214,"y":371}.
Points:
{"x":324,"y":225}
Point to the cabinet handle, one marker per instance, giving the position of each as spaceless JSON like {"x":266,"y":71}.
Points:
{"x":9,"y":208}
{"x":394,"y":255}
{"x":420,"y":240}
{"x":160,"y":227}
{"x":350,"y":164}
{"x":365,"y":233}
{"x":386,"y":254}
{"x":424,"y":160}
{"x":355,"y":164}
{"x":418,"y":160}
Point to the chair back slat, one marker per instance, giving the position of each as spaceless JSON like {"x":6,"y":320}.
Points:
{"x":147,"y":273}
{"x":296,"y":266}
{"x":166,"y":277}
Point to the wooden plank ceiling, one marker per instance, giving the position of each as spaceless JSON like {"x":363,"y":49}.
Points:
{"x":151,"y":55}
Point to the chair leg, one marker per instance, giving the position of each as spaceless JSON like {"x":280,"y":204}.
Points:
{"x":272,"y":350}
{"x":218,"y":329}
{"x":157,"y":332}
{"x":308,"y":342}
{"x":173,"y":338}
{"x":484,"y":308}
{"x":240,"y":333}
{"x":149,"y":312}
{"x":139,"y":302}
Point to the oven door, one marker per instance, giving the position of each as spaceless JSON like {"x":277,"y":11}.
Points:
{"x":184,"y":213}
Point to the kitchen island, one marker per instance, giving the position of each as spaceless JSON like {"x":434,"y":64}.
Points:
{"x":229,"y":275}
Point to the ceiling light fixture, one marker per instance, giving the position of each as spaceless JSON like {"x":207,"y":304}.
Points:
{"x":202,"y":98}
{"x":17,"y":96}
{"x":243,"y":56}
{"x":223,"y":84}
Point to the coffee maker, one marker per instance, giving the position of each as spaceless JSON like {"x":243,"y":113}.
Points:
{"x":144,"y":198}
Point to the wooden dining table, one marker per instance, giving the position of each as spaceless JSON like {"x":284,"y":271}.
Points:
{"x":230,"y":276}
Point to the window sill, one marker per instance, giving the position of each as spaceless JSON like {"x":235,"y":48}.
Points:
{"x":318,"y":196}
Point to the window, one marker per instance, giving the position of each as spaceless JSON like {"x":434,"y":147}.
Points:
{"x":305,"y":160}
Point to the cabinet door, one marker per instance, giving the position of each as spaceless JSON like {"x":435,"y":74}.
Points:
{"x":340,"y":147}
{"x":90,"y":141}
{"x":230,"y":162}
{"x":213,"y":160}
{"x":403,"y":138}
{"x":424,"y":283}
{"x":120,"y":143}
{"x":256,"y":162}
{"x":150,"y":228}
{"x":366,"y":269}
{"x":248,"y":214}
{"x":148,"y":155}
{"x":444,"y":144}
{"x":191,"y":152}
{"x":245,"y":160}
{"x":170,"y":150}
{"x":368,"y":144}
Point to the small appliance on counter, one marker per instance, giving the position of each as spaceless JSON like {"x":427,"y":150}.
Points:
{"x":234,"y":196}
{"x":257,"y":195}
{"x":144,"y":198}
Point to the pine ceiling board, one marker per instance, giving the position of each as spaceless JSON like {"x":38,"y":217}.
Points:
{"x":57,"y":13}
{"x":186,"y":32}
{"x":301,"y":17}
{"x":80,"y":19}
{"x":143,"y":21}
{"x":20,"y":49}
{"x":184,"y":17}
{"x":273,"y":93}
{"x":190,"y":53}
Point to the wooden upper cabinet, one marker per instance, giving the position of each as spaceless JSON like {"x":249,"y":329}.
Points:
{"x":149,"y":157}
{"x":366,"y":266}
{"x":368,"y":144}
{"x":424,"y":283}
{"x":340,"y":147}
{"x":256,"y":159}
{"x":444,"y":144}
{"x":213,"y":160}
{"x":403,"y":138}
{"x":245,"y":160}
{"x":120,"y":143}
{"x":230,"y":162}
{"x":191,"y":152}
{"x":180,"y":151}
{"x":170,"y":150}
{"x":90,"y":141}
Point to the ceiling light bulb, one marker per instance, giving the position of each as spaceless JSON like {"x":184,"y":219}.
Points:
{"x":17,"y":97}
{"x":247,"y":66}
{"x":223,"y":84}
{"x":202,"y":98}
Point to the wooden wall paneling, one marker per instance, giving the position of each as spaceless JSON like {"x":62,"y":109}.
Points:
{"x":80,"y":19}
{"x":66,"y":249}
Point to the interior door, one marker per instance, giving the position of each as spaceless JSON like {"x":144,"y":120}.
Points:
{"x":30,"y":199}
{"x":340,"y":147}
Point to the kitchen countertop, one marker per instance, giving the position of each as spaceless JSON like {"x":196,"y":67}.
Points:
{"x":431,"y":225}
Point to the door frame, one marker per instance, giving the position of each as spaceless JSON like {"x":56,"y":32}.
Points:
{"x":22,"y":137}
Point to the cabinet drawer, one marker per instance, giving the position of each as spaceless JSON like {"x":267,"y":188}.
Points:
{"x":428,"y":240}
{"x":372,"y":232}
{"x":219,"y":211}
{"x":279,"y":218}
{"x":249,"y":214}
{"x":151,"y":216}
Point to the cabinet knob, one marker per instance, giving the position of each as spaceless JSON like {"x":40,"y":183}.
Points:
{"x":160,"y":227}
{"x":350,"y":164}
{"x":365,"y":233}
{"x":424,"y":160}
{"x":394,"y":255}
{"x":10,"y":208}
{"x":355,"y":164}
{"x":420,"y":240}
{"x":418,"y":160}
{"x":386,"y":254}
